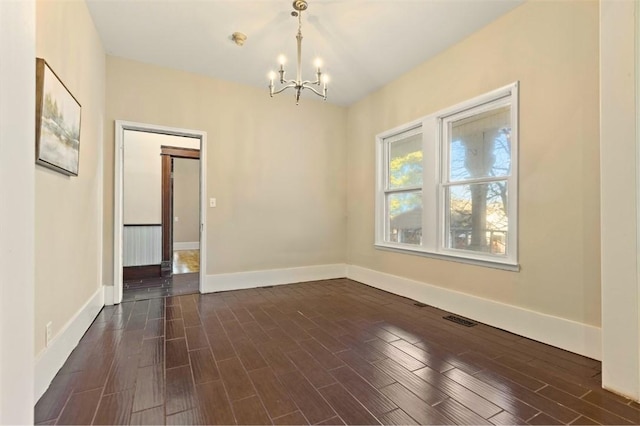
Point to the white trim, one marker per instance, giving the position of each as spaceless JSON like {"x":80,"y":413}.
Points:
{"x":488,"y":97}
{"x":118,"y":219}
{"x":402,"y":248}
{"x":52,"y":358}
{"x":620,"y":196}
{"x":402,"y":128}
{"x":193,"y":245}
{"x":203,"y":211}
{"x":120,"y":127}
{"x":17,"y":186}
{"x":108,"y":295}
{"x":253,"y":279}
{"x":562,"y":333}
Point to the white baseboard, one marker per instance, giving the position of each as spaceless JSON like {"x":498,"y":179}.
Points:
{"x":108,"y":295}
{"x":559,"y":332}
{"x":253,"y":279}
{"x":194,"y":245}
{"x":52,"y":358}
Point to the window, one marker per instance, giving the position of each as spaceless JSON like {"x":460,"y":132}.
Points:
{"x":447,"y":183}
{"x":403,"y":192}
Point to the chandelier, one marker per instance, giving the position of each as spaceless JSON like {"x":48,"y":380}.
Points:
{"x":298,"y":84}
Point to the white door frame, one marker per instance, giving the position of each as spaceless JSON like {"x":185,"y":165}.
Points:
{"x":120,"y":127}
{"x":620,"y":195}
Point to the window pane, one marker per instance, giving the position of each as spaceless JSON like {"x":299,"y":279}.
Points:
{"x":480,"y":145}
{"x":405,"y":162}
{"x":404,"y":217}
{"x":478,"y":217}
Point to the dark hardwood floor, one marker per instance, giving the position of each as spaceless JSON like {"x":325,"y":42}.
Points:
{"x":151,"y":288}
{"x":329,"y":352}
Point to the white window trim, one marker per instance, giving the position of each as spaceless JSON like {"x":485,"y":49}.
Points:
{"x":434,"y":159}
{"x":407,"y":132}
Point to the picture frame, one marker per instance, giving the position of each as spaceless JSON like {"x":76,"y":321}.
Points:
{"x":58,"y":115}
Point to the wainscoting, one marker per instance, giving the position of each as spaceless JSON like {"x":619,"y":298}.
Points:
{"x":141,"y":245}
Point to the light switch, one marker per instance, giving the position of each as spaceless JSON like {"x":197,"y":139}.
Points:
{"x":212,"y":202}
{"x":176,"y":219}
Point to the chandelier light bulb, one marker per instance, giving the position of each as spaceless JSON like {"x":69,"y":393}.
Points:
{"x":282,"y":59}
{"x":272,"y":75}
{"x":317,"y":63}
{"x":325,"y":79}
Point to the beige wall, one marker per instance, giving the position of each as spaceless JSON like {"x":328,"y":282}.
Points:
{"x":276,"y":169}
{"x":142,"y":173}
{"x":186,"y":200}
{"x":68,"y":210}
{"x":552,"y":49}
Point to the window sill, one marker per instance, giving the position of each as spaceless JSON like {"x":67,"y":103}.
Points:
{"x":451,"y":258}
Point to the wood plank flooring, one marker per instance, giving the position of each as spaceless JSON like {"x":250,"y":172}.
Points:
{"x":185,"y":279}
{"x":150,"y":288}
{"x":329,"y":352}
{"x":186,"y":261}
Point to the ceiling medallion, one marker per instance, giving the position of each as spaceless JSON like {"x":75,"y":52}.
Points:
{"x":239,"y":38}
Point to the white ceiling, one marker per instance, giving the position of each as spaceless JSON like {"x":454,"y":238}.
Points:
{"x":363,"y":43}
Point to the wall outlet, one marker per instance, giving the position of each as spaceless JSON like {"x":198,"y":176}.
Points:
{"x":176,"y":218}
{"x":212,"y":202}
{"x":47,"y":334}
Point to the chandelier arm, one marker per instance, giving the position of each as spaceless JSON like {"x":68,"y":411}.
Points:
{"x":322,"y":95}
{"x":288,"y":86}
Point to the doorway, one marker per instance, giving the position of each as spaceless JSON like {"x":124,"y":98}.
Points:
{"x":148,"y":214}
{"x":177,"y":167}
{"x":184,"y":202}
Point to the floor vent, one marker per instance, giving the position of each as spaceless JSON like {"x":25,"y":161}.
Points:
{"x":420,"y":305}
{"x":459,"y":320}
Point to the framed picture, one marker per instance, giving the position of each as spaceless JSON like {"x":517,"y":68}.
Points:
{"x":57,"y":122}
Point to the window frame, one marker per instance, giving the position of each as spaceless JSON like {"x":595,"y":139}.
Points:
{"x":436,"y":165}
{"x":387,"y":190}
